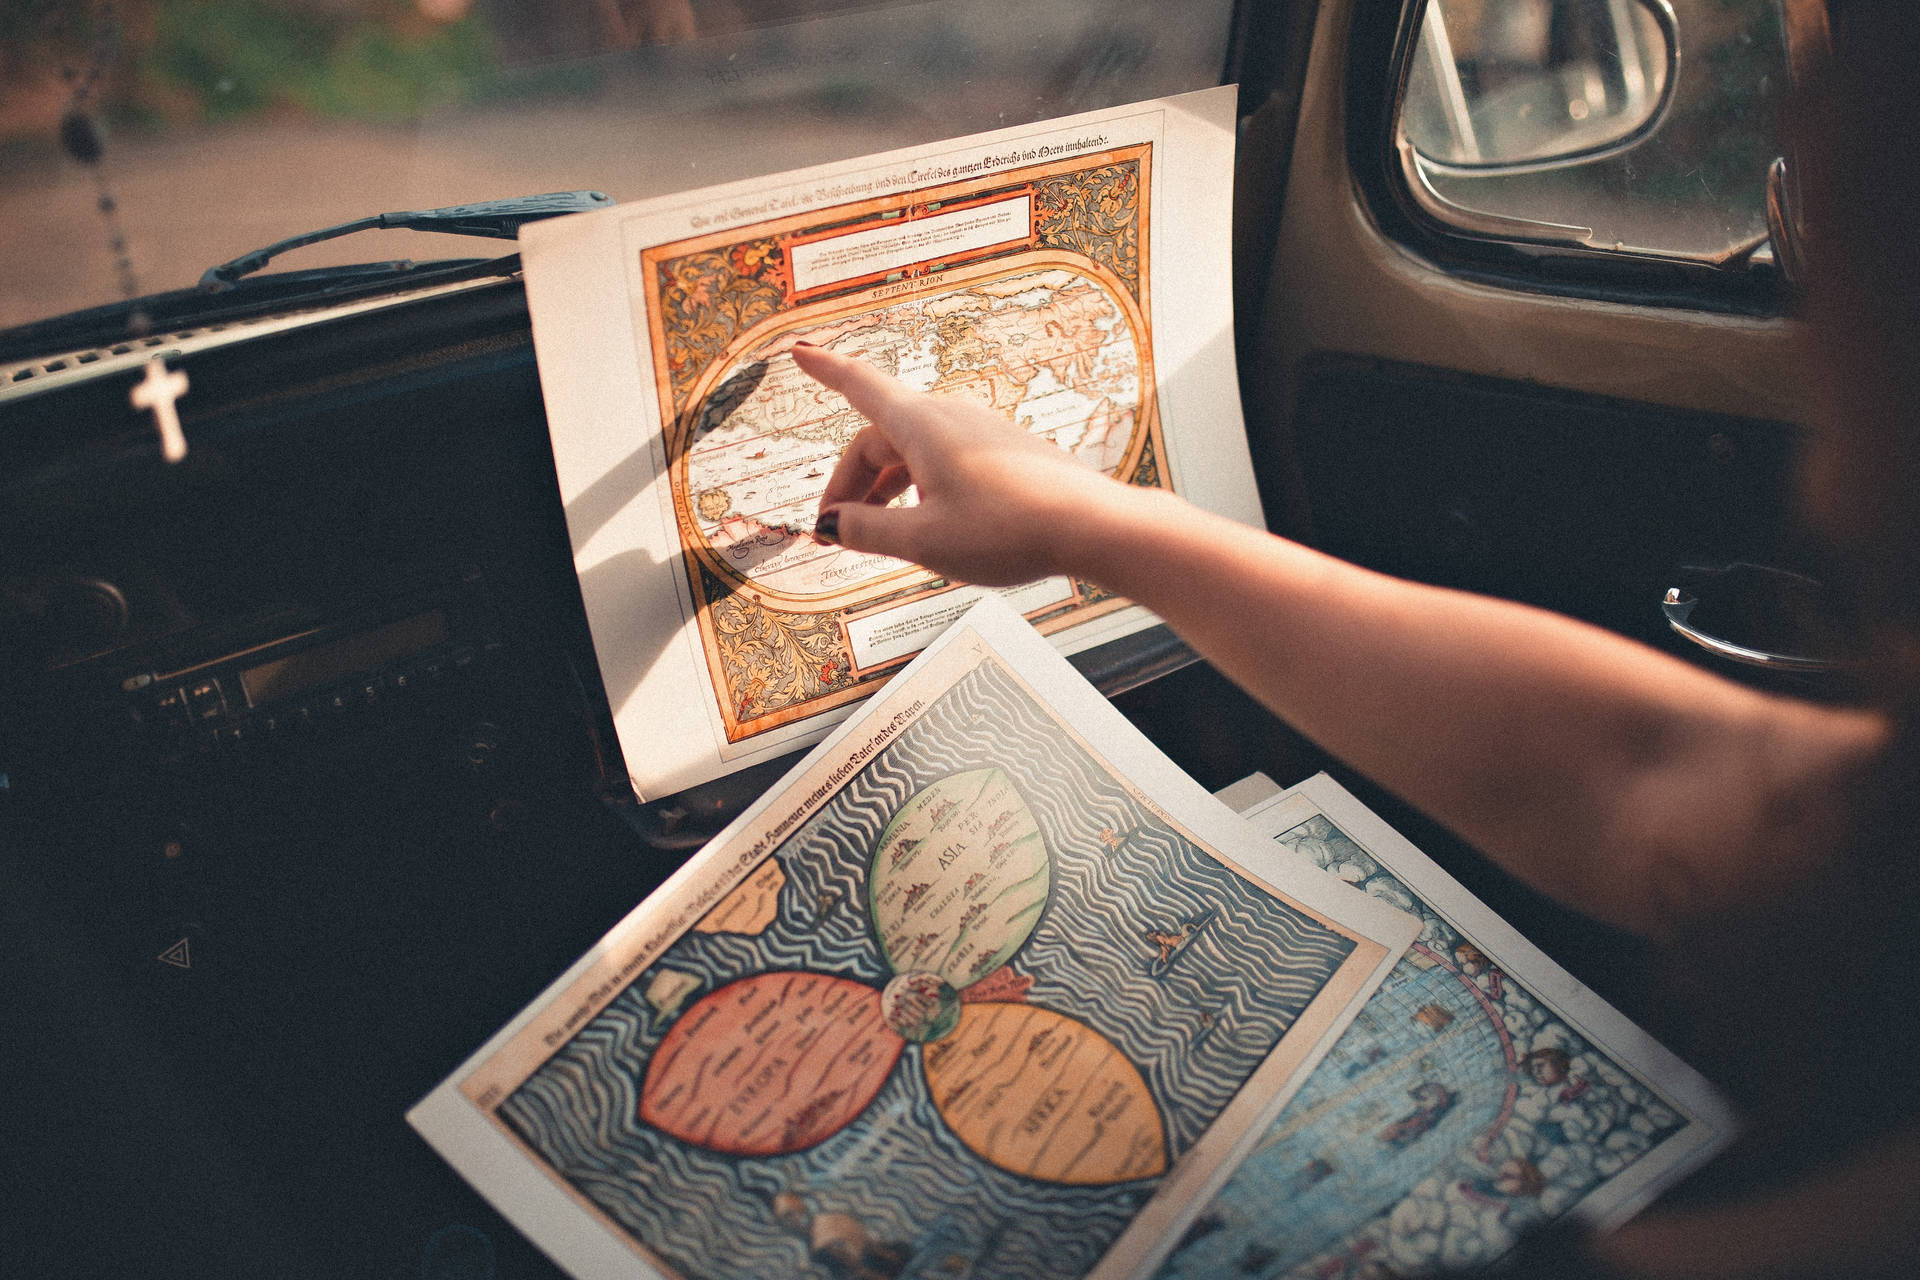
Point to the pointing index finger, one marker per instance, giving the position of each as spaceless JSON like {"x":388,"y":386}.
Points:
{"x":872,"y":393}
{"x":875,"y":449}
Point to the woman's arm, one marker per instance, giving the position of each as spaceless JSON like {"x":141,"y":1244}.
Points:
{"x":1626,"y":783}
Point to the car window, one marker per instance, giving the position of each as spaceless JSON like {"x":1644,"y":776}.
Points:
{"x":1638,"y":126}
{"x":226,"y":125}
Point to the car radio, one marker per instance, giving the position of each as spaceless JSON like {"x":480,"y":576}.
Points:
{"x":287,"y":679}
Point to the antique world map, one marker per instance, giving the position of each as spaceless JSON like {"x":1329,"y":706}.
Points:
{"x":964,"y":1022}
{"x":1027,"y":293}
{"x":1051,"y":346}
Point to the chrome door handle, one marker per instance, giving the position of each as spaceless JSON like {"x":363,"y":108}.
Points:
{"x":1679,"y":605}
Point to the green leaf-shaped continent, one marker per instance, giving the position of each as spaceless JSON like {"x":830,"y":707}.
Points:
{"x":959,"y":878}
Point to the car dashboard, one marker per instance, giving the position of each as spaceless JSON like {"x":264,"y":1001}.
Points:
{"x":308,"y":783}
{"x":302,"y":730}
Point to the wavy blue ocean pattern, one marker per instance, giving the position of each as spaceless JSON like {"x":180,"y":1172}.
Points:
{"x":1196,"y":1023}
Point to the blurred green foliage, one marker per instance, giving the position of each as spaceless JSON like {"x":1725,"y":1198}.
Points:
{"x":364,"y":62}
{"x":155,"y":63}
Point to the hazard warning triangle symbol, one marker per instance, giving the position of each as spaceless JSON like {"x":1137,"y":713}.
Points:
{"x":176,"y":955}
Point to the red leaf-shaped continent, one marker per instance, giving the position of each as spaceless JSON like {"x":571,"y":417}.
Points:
{"x":770,"y":1064}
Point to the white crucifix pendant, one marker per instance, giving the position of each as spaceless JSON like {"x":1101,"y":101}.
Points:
{"x":158,"y":392}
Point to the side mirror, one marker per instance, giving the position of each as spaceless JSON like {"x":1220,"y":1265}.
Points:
{"x":1510,"y":85}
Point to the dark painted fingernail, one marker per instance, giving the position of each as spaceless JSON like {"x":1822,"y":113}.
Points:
{"x":826,"y":528}
{"x":802,"y":342}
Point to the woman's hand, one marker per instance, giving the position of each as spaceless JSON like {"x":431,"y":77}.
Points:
{"x":997,"y":505}
{"x":1623,"y":781}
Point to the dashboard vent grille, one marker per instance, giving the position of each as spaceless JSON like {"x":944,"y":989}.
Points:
{"x":43,"y":366}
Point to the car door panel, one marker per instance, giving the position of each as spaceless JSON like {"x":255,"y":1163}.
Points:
{"x":1592,"y":438}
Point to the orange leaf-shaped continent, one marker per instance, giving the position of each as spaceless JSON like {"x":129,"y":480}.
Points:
{"x":770,"y":1064}
{"x":1044,"y":1096}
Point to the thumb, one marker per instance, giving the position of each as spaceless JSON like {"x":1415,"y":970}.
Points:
{"x":885,"y":531}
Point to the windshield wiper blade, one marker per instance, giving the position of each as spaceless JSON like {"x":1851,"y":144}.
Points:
{"x":277,"y":293}
{"x":498,"y":219}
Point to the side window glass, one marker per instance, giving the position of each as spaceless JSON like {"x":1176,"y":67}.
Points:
{"x":1642,"y":126}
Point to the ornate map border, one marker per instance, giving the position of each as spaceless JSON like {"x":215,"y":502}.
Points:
{"x":709,"y":297}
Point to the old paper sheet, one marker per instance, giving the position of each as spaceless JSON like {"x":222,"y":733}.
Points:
{"x":1073,"y":275}
{"x":985,"y":987}
{"x":1480,"y":1092}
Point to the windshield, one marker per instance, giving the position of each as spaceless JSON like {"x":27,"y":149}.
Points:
{"x":225,"y":125}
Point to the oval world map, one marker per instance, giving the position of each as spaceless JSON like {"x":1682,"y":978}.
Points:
{"x":1054,"y":347}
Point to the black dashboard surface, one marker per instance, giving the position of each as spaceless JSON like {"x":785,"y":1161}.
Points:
{"x":237,"y":956}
